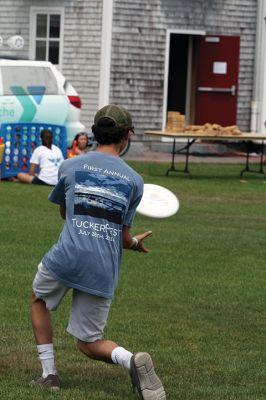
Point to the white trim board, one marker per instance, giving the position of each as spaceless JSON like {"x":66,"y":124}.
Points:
{"x":106,"y":45}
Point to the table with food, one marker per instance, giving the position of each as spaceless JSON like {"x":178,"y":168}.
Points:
{"x":176,"y":129}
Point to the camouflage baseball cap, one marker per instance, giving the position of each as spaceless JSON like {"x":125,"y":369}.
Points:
{"x":118,"y":114}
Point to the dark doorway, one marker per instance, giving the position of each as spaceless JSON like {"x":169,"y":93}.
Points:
{"x":182,"y":74}
{"x":177,"y":77}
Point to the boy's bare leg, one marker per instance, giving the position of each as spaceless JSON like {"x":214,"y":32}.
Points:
{"x":99,"y":350}
{"x":42,"y":328}
{"x":41,"y":321}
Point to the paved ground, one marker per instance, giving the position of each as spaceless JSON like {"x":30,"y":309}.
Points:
{"x":156,"y":156}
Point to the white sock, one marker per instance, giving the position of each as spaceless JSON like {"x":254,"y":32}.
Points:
{"x":121,"y":356}
{"x":46,"y":355}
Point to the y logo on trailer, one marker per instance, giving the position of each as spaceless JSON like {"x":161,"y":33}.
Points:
{"x":26,"y":100}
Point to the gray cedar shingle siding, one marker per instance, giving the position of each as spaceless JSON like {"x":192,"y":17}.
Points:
{"x":138,"y":47}
{"x":82,"y":53}
{"x":14,"y":20}
{"x":139,"y":41}
{"x":82,"y":42}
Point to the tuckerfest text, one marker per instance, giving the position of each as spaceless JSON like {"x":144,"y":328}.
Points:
{"x":93,"y":229}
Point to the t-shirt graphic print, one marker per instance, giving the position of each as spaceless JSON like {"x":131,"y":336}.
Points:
{"x":100,"y":196}
{"x":100,"y":193}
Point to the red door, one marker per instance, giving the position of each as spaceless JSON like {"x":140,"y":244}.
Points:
{"x":216,"y":97}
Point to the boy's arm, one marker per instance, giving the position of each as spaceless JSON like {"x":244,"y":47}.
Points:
{"x":134,"y":242}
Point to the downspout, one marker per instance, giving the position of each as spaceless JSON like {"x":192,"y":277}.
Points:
{"x":106,"y":45}
{"x":258,"y":85}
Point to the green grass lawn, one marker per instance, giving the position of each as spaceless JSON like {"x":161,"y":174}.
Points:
{"x":196,"y":302}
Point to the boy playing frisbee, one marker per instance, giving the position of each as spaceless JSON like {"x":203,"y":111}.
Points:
{"x":97,"y":194}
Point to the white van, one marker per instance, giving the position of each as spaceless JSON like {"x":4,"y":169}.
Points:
{"x":35,"y":91}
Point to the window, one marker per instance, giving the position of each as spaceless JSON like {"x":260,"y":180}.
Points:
{"x":35,"y":78}
{"x":47,"y":34}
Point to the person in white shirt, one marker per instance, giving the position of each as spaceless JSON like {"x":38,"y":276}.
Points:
{"x":45,"y":158}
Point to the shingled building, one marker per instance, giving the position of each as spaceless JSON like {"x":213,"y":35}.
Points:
{"x":205,"y":58}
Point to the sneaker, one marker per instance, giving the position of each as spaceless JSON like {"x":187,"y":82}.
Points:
{"x":50,"y":382}
{"x":144,"y":378}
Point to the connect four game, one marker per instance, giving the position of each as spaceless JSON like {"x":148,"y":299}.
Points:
{"x":21,"y":139}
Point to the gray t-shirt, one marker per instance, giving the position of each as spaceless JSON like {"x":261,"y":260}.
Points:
{"x":101,"y":194}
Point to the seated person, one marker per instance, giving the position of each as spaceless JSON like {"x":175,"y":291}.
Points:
{"x":45,"y":158}
{"x":80,"y":145}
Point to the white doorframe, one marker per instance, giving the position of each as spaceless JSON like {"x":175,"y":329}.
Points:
{"x":166,"y":64}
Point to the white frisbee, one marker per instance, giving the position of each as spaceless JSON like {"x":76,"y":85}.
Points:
{"x":157,"y":202}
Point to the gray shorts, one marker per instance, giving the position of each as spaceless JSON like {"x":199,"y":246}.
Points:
{"x":88,"y":313}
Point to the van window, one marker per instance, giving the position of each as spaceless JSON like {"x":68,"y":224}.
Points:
{"x":39,"y":79}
